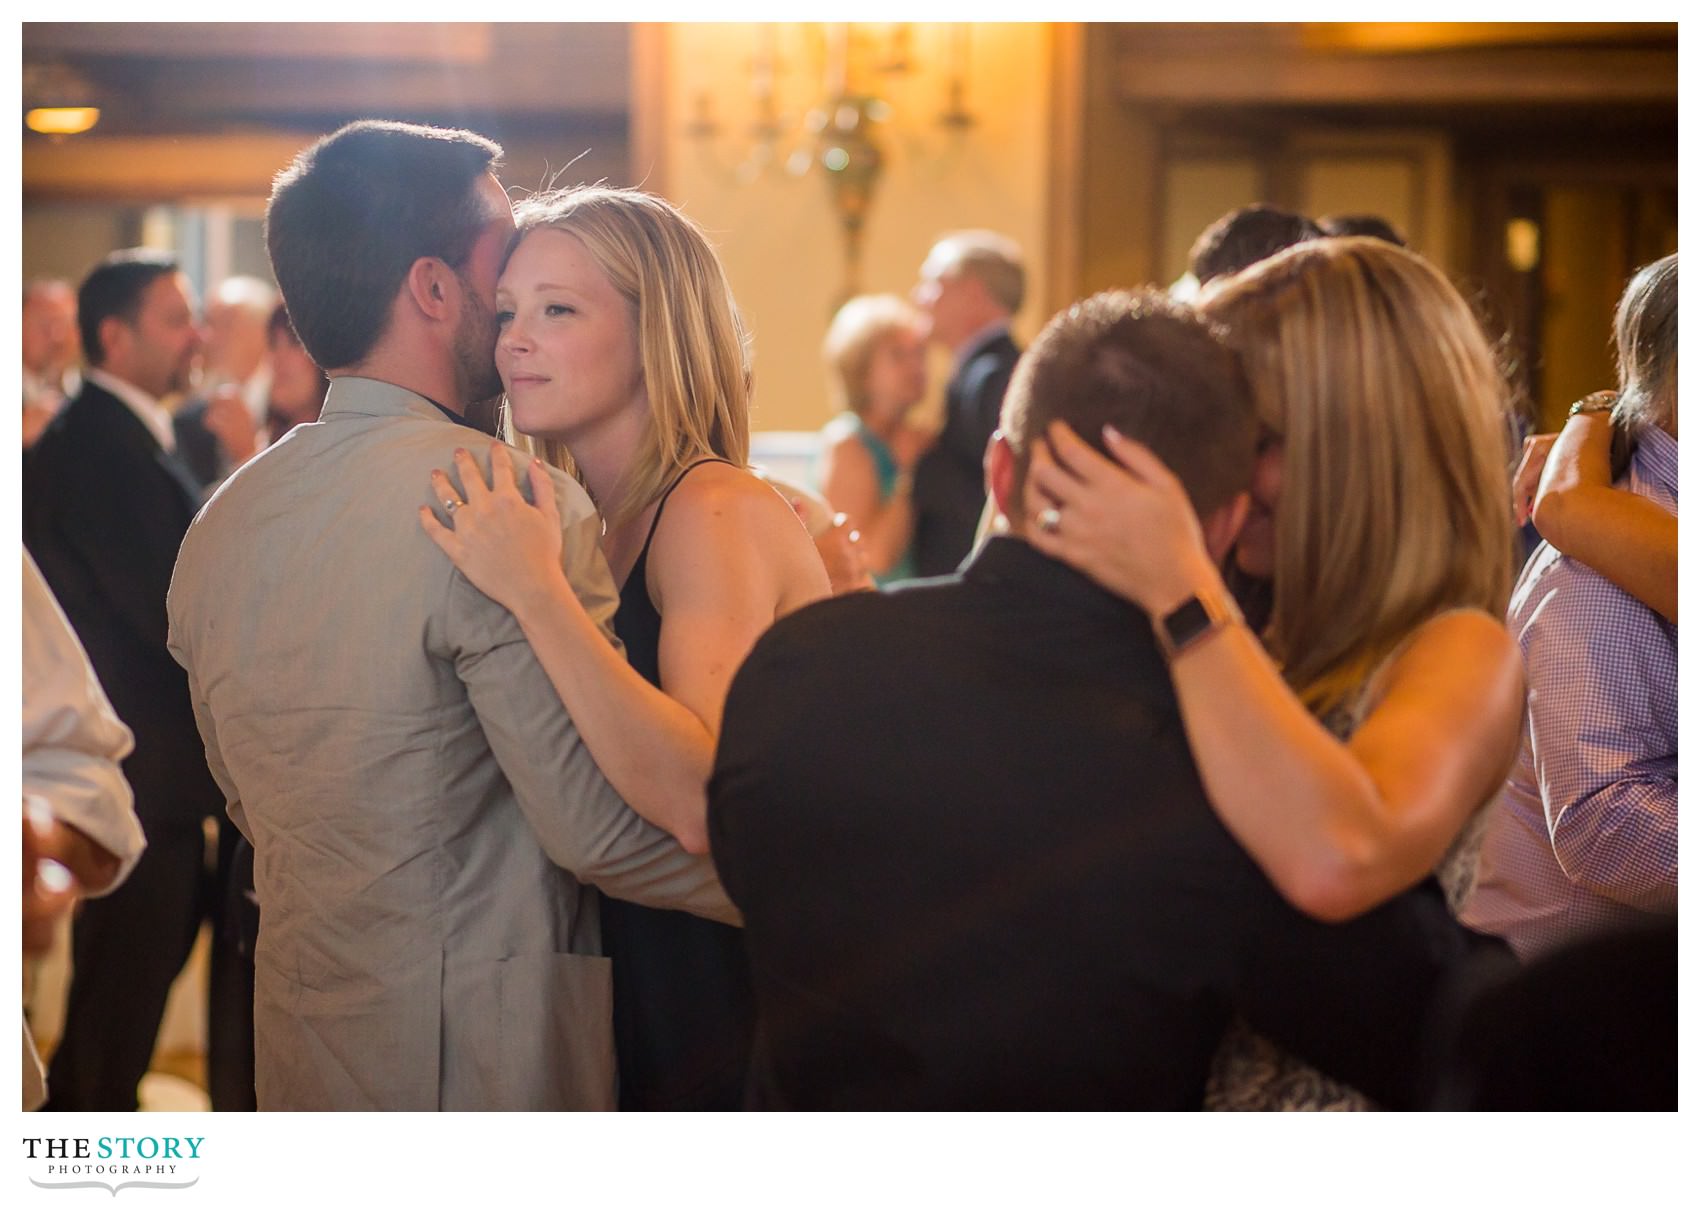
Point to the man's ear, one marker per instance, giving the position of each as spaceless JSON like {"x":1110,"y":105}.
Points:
{"x":1223,"y":525}
{"x":433,"y":287}
{"x":1000,"y":473}
{"x":115,"y":337}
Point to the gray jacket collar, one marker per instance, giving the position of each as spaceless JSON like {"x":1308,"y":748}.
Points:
{"x":376,"y":398}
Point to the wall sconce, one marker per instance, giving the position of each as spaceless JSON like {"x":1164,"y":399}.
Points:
{"x":854,"y":68}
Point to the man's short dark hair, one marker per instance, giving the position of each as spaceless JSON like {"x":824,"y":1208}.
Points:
{"x":1245,"y":237}
{"x":115,"y":288}
{"x":350,"y":216}
{"x":1361,"y":225}
{"x":1154,"y":369}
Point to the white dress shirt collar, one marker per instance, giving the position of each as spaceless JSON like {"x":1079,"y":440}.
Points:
{"x":149,"y":411}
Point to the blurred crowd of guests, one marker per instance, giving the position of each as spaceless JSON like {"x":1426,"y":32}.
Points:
{"x":1201,"y":746}
{"x":136,"y":406}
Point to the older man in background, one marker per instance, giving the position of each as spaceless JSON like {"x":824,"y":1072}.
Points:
{"x":972,"y":284}
{"x":225,"y":425}
{"x":51,"y":353}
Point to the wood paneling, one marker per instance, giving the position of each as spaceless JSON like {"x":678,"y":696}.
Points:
{"x":163,"y":168}
{"x":460,"y":42}
{"x":1502,"y":78}
{"x":211,"y":78}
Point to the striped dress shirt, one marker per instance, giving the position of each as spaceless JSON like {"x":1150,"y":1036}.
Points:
{"x":1584,"y":836}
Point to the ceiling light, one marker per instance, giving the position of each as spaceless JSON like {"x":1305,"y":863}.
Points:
{"x":62,"y":120}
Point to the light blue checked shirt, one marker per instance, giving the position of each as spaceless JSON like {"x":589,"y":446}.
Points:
{"x":1584,"y":835}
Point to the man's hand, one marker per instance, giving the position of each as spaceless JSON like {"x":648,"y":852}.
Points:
{"x":59,"y":862}
{"x":228,"y":420}
{"x":840,"y":548}
{"x":909,"y":443}
{"x":1536,"y":448}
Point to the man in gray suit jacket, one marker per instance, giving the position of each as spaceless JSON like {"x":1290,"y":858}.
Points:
{"x":424,"y":815}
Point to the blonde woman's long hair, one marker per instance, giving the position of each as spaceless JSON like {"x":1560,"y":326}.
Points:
{"x":1395,"y":481}
{"x":692,"y":347}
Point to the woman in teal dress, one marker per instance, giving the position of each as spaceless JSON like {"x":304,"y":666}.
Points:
{"x":877,"y":360}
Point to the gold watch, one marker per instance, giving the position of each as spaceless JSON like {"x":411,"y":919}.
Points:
{"x":1178,"y":630}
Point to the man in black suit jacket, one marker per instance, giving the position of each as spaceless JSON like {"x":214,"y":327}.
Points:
{"x":976,"y":864}
{"x":972,"y":283}
{"x":106,"y":504}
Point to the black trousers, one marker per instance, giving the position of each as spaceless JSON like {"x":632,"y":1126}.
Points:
{"x":230,"y":992}
{"x":126,"y":949}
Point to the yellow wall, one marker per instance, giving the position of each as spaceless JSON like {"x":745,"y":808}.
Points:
{"x":778,"y":235}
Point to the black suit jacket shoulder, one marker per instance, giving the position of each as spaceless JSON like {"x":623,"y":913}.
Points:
{"x":197,"y":446}
{"x":950,"y":488}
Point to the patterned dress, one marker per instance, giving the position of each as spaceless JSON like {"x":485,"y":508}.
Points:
{"x":1251,"y":1073}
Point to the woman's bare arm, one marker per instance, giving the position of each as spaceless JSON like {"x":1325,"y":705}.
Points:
{"x":1629,"y":539}
{"x":655,"y":747}
{"x":850,"y":481}
{"x":1338,"y":827}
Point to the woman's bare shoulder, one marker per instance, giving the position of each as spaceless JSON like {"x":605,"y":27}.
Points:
{"x":847,"y":450}
{"x":719,"y":504}
{"x":1464,"y":629}
{"x":732,"y":518}
{"x":1465,"y":646}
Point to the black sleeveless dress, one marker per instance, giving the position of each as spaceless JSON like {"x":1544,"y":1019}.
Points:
{"x":684,"y":1013}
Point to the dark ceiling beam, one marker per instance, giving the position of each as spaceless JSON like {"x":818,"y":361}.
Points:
{"x":197,"y":93}
{"x":469,"y":42}
{"x":199,"y":77}
{"x":1407,"y":36}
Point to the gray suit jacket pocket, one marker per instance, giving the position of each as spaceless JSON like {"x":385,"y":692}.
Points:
{"x":356,"y":1046}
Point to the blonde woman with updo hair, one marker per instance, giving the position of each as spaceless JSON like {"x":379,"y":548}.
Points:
{"x":876,"y":353}
{"x":625,"y":362}
{"x":1349,"y":748}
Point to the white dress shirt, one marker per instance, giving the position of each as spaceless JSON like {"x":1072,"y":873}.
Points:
{"x":73,"y":743}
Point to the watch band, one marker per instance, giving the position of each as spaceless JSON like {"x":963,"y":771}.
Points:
{"x":1192,"y":621}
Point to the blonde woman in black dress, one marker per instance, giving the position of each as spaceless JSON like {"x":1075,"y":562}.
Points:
{"x":625,"y":362}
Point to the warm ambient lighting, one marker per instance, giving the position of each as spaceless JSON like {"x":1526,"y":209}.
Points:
{"x":62,"y":120}
{"x":1523,"y":245}
{"x":844,"y":69}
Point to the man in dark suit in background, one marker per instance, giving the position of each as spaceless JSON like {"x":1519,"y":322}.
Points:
{"x":106,"y":504}
{"x":972,"y":283}
{"x":981,"y":871}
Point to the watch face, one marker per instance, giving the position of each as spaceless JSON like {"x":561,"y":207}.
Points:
{"x":1185,"y":622}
